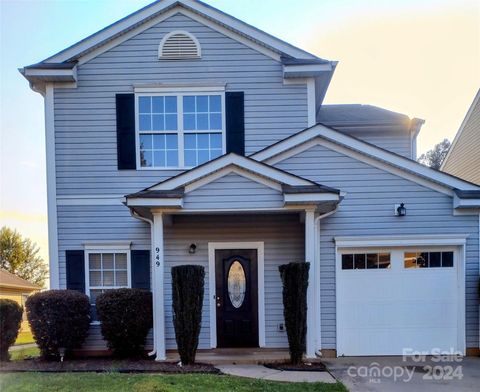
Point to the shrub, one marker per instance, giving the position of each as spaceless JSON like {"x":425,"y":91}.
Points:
{"x":295,"y":282}
{"x":10,"y":321}
{"x":59,"y":319}
{"x":187,"y":298}
{"x":126,"y":317}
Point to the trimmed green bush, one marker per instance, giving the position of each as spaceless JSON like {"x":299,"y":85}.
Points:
{"x":126,"y":317}
{"x":10,"y":322}
{"x":59,"y":320}
{"x":295,"y":282}
{"x":187,"y":297}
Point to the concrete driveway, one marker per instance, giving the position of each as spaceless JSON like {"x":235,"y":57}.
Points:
{"x":395,"y":374}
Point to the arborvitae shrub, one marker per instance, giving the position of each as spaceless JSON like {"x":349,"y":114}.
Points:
{"x":59,"y":319}
{"x":295,"y":282}
{"x":10,"y":322}
{"x":187,"y":293}
{"x":126,"y":317}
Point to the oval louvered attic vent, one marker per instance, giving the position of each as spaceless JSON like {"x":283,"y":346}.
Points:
{"x":179,"y":45}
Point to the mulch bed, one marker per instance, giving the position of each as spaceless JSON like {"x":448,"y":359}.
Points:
{"x":101,"y":365}
{"x":303,"y":367}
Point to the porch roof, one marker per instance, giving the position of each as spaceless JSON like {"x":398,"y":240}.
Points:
{"x":293,"y":192}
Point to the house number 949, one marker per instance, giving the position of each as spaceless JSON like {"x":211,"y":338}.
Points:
{"x":157,"y":257}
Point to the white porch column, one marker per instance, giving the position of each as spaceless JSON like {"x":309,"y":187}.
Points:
{"x":310,"y":257}
{"x":157,"y":288}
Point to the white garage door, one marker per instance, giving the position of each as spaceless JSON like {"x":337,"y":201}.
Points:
{"x":393,"y":300}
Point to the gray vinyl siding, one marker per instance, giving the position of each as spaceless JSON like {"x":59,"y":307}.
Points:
{"x":392,"y":138}
{"x":283,"y":237}
{"x":233,"y":191}
{"x":367,"y":210}
{"x":85,"y":129}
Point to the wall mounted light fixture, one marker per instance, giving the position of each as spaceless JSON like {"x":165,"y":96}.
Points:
{"x":192,"y":249}
{"x":400,"y":210}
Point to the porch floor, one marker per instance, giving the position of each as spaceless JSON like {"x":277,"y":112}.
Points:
{"x":237,"y":356}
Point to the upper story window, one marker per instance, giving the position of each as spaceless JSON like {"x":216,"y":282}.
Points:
{"x":179,"y":45}
{"x":179,"y":130}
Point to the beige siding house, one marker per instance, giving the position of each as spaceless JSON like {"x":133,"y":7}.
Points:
{"x":463,"y":159}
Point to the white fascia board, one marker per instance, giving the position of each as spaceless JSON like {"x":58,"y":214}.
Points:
{"x":465,"y":203}
{"x":295,"y":198}
{"x":155,"y":202}
{"x":227,"y":160}
{"x":401,"y":241}
{"x":366,"y":149}
{"x":307,"y":70}
{"x":155,"y":10}
{"x":50,"y":75}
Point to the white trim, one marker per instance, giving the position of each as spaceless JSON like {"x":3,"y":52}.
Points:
{"x":178,"y":93}
{"x":212,"y":247}
{"x":211,"y":13}
{"x":299,"y":68}
{"x":310,"y":258}
{"x":229,"y":170}
{"x":51,"y":188}
{"x":155,"y":202}
{"x":401,"y":241}
{"x":462,"y":127}
{"x":311,"y":102}
{"x":179,"y":32}
{"x":230,"y":159}
{"x":465,"y":203}
{"x":292,"y":198}
{"x":158,"y":287}
{"x":284,"y":147}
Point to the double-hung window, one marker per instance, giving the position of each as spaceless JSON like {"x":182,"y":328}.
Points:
{"x":179,"y":130}
{"x":106,"y":270}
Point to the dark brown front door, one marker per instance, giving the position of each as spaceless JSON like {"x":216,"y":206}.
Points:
{"x":236,"y":297}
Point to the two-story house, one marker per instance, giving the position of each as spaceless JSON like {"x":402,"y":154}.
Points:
{"x":182,"y":135}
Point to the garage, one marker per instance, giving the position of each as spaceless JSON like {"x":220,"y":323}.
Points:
{"x":391,"y":301}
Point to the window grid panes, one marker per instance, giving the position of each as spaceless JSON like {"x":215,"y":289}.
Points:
{"x":165,"y":121}
{"x":365,"y":261}
{"x":106,"y":271}
{"x":428,"y":259}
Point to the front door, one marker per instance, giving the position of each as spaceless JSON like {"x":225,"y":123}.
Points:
{"x":236,"y":297}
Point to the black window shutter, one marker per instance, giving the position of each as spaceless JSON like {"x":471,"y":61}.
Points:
{"x":140,"y":260}
{"x":126,"y":152}
{"x":235,"y":121}
{"x":75,"y":260}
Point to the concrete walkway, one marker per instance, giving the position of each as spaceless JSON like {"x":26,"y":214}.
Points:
{"x":263,"y":373}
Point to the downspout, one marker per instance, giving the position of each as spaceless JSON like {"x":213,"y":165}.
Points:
{"x":317,"y":302}
{"x":139,"y":217}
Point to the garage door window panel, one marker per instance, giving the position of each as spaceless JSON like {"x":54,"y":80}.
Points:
{"x":365,"y":261}
{"x":415,"y":260}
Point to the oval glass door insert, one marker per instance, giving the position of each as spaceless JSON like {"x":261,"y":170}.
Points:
{"x":237,"y":284}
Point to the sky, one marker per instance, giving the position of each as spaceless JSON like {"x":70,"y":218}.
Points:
{"x":418,"y":57}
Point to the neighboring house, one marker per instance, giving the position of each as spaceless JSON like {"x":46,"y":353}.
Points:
{"x":463,"y":158}
{"x":181,"y":135}
{"x":17,"y":289}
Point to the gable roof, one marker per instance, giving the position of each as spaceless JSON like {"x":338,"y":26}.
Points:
{"x":296,"y":190}
{"x":358,"y":114}
{"x":292,"y":145}
{"x":10,"y":280}
{"x":153,"y":10}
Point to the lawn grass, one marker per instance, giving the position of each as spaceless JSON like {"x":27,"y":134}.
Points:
{"x":24,"y":338}
{"x":118,"y":382}
{"x":22,"y":353}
